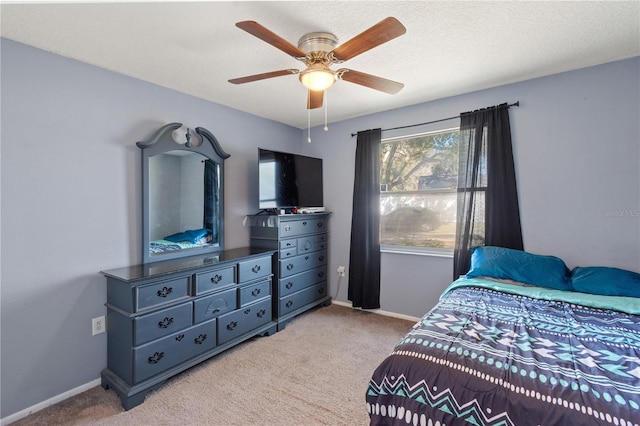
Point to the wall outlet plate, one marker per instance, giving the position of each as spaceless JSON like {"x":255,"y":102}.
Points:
{"x":98,"y":325}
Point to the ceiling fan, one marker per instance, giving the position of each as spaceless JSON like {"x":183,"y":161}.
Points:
{"x":318,"y":51}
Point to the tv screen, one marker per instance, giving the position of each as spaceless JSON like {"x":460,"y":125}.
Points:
{"x":289,"y":180}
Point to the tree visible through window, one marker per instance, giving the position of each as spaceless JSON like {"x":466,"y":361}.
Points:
{"x":419,"y":177}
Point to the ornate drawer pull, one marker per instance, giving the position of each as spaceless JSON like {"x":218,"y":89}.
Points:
{"x":290,"y":266}
{"x":216,"y":279}
{"x":287,"y":228}
{"x":304,"y":223}
{"x":165,"y":291}
{"x":255,"y":269}
{"x":232,"y":325}
{"x":201,"y":338}
{"x":179,"y":337}
{"x":320,"y":225}
{"x":155,"y":358}
{"x":321,"y":258}
{"x":166,"y":322}
{"x":320,"y":274}
{"x":289,"y":244}
{"x":289,"y":285}
{"x":261,"y":313}
{"x":255,"y":292}
{"x":321,"y":290}
{"x":247,"y":311}
{"x":306,"y":258}
{"x":289,"y":304}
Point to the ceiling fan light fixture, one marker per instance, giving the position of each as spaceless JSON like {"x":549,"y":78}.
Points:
{"x":317,"y":78}
{"x":319,"y":50}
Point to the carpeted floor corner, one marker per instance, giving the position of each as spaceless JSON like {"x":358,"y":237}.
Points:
{"x":314,"y":372}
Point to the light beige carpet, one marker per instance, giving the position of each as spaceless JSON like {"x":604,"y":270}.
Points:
{"x":314,"y":372}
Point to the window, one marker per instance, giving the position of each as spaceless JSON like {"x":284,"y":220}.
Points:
{"x":418,"y":191}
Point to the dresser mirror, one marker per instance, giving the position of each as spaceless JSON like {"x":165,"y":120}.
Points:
{"x":182,"y":188}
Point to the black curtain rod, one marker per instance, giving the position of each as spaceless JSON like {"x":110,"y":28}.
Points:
{"x":517,"y":103}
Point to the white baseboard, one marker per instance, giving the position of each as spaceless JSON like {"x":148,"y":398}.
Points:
{"x":378,"y":311}
{"x":44,"y":404}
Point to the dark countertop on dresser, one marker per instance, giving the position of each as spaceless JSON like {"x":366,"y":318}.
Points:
{"x":165,"y":267}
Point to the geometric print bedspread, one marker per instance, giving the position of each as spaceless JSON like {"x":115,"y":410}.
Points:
{"x":485,"y":357}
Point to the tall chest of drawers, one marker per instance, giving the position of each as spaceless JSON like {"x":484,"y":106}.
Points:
{"x":300,"y":262}
{"x":165,"y":317}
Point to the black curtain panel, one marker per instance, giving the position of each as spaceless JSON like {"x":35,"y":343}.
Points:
{"x":488,"y":210}
{"x":211,"y":202}
{"x":364,"y":259}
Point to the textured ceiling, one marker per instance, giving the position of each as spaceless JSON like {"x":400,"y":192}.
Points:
{"x":449,"y":48}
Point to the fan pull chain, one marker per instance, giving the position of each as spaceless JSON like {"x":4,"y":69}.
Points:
{"x":308,"y":126}
{"x":309,"y":116}
{"x":326,"y":128}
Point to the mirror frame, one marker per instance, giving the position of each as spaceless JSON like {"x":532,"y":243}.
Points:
{"x":161,"y":142}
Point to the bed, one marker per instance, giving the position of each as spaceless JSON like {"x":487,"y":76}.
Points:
{"x":500,"y":350}
{"x":162,"y":246}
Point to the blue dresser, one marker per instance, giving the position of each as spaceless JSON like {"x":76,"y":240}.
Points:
{"x":299,"y":263}
{"x":167,"y":316}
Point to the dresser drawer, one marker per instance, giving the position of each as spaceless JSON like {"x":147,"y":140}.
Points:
{"x":312,"y":243}
{"x":254,"y":292}
{"x":254,"y":269}
{"x":162,"y":292}
{"x":152,"y":326}
{"x":306,"y":244}
{"x":302,"y":227}
{"x":235,"y":324}
{"x":215,"y":305}
{"x":301,"y":298}
{"x":298,"y":264}
{"x":213,"y":280}
{"x":305,"y":279}
{"x":287,"y":253}
{"x":160,"y":355}
{"x":320,"y":242}
{"x":287,"y":244}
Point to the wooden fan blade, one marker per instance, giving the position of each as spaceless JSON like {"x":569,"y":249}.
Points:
{"x":250,"y":78}
{"x":272,"y":38}
{"x":378,"y":83}
{"x":315,"y":99}
{"x":380,"y":33}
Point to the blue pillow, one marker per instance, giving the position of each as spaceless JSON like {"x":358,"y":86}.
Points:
{"x":191,"y":236}
{"x":196,"y":234}
{"x":177,"y":238}
{"x":518,"y":265}
{"x":605,"y":281}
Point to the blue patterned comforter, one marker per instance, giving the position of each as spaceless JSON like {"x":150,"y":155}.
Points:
{"x":492,"y":353}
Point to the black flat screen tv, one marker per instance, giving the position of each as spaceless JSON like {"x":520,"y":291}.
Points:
{"x":289,"y":180}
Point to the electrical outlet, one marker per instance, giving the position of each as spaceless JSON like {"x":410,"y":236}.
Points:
{"x":341,"y":271}
{"x":98,"y":325}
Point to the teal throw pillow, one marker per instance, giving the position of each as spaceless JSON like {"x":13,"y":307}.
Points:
{"x":518,"y":265}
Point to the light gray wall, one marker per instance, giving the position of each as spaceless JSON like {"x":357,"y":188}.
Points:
{"x":576,"y":144}
{"x":71,"y":193}
{"x":71,"y":203}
